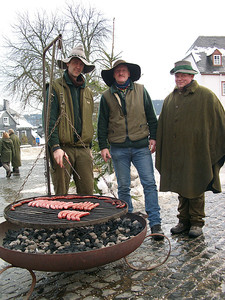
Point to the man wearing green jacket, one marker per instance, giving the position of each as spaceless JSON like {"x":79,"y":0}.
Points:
{"x":16,"y":160}
{"x":6,"y":152}
{"x":70,"y":126}
{"x":190,"y":147}
{"x":127,"y":124}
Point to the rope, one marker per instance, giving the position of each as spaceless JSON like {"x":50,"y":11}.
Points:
{"x":33,"y":280}
{"x":156,"y":265}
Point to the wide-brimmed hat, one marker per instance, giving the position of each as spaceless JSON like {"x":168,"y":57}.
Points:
{"x":79,"y":53}
{"x":183,"y":66}
{"x":135,"y":72}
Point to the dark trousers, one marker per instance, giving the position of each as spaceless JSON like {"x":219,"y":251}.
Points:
{"x":191,"y":211}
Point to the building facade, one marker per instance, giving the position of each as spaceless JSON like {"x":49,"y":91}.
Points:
{"x":11,"y":119}
{"x":207,"y":55}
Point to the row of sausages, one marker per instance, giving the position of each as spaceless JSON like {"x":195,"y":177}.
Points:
{"x":73,"y":215}
{"x":87,"y":206}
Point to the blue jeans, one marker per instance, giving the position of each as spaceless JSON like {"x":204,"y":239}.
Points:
{"x":142,"y":160}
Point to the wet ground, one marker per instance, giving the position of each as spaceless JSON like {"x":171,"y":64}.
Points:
{"x":31,"y":180}
{"x":195,"y":268}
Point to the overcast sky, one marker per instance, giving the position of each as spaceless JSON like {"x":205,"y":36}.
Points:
{"x":153,"y":34}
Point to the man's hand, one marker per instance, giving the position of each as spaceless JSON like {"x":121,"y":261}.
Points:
{"x":58,"y":156}
{"x":152,"y":145}
{"x":105,"y":154}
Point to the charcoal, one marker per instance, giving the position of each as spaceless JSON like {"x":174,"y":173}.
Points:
{"x":72,"y":240}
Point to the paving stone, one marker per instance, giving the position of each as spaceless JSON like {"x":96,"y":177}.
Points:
{"x":99,"y":285}
{"x":91,"y":298}
{"x":71,"y":296}
{"x":113,"y":278}
{"x":73,"y":286}
{"x":107,"y":293}
{"x":125,"y":295}
{"x":136,"y":288}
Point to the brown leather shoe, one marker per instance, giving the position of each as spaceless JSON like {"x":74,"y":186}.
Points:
{"x":179,"y":228}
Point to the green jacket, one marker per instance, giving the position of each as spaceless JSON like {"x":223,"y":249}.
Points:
{"x":6,"y":150}
{"x":145,"y":113}
{"x":72,"y":110}
{"x":190,"y":142}
{"x":16,"y":160}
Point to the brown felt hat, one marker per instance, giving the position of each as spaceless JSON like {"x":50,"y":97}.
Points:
{"x":135,"y":72}
{"x":79,"y":53}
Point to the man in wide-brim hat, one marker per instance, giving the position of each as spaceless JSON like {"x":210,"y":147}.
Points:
{"x":127,"y":124}
{"x":77,"y":52}
{"x":70,"y":126}
{"x":108,"y":75}
{"x":190,"y":147}
{"x":184,"y":67}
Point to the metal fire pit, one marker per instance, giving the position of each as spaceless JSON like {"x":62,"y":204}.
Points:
{"x":37,"y":217}
{"x":70,"y":261}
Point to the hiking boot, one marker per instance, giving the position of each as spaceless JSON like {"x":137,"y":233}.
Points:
{"x":179,"y":228}
{"x":16,"y":171}
{"x":195,"y":231}
{"x":156,"y":229}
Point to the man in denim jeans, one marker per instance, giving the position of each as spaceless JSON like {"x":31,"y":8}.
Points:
{"x":128,"y":123}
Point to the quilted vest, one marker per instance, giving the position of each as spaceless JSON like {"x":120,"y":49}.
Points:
{"x":134,"y":123}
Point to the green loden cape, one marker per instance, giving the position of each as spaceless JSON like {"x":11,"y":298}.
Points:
{"x":191,"y":142}
{"x":16,"y":160}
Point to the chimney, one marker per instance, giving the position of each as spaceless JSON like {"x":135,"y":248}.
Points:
{"x":6,"y":105}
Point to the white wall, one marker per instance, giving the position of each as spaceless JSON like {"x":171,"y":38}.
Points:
{"x":214,"y":83}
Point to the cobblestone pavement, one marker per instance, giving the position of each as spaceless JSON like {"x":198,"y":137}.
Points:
{"x":195,"y":268}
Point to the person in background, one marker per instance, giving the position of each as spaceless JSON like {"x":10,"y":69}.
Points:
{"x":71,"y":126}
{"x":128,"y":123}
{"x":6,"y":152}
{"x":190,"y":147}
{"x":16,"y":160}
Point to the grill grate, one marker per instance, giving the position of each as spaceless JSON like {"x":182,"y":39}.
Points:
{"x":42,"y":217}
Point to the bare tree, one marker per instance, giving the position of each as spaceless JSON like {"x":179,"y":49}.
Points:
{"x":89,"y":28}
{"x":22,"y":72}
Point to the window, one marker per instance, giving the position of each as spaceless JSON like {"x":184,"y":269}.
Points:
{"x":217,"y":60}
{"x":223,"y":88}
{"x":23,"y":133}
{"x":6,"y":121}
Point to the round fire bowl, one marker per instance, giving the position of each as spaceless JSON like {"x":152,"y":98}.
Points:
{"x":70,"y":261}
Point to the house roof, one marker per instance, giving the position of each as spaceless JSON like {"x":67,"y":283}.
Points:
{"x":209,"y":41}
{"x":10,"y":110}
{"x":203,"y":48}
{"x":8,"y":113}
{"x":23,"y":123}
{"x":20,"y":120}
